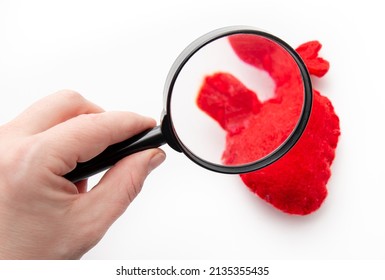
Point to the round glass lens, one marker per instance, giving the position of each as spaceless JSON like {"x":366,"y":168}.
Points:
{"x":238,"y":99}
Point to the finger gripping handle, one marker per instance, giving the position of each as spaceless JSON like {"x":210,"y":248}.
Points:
{"x":148,"y":139}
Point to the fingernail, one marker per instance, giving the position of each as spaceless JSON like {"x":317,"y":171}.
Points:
{"x":156,"y":160}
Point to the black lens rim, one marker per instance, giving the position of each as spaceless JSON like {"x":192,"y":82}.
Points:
{"x":289,"y":143}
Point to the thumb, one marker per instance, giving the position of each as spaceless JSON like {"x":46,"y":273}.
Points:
{"x":118,"y":187}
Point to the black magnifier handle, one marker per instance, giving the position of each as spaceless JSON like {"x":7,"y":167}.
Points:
{"x":148,"y":139}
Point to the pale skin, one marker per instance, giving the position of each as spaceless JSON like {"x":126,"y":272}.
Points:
{"x":45,"y":216}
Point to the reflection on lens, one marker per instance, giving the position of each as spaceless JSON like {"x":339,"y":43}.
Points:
{"x":237,"y":99}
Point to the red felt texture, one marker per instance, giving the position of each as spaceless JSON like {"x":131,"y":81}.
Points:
{"x":296,"y":183}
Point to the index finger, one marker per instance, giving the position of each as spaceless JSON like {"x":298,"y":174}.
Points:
{"x":83,"y":137}
{"x":51,"y":110}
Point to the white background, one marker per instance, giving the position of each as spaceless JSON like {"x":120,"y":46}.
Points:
{"x":118,"y":53}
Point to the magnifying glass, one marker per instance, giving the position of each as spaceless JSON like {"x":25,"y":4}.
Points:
{"x":188,"y":128}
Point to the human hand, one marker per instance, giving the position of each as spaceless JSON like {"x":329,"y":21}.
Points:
{"x":45,"y":216}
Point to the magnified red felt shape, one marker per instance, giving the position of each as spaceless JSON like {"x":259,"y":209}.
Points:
{"x":296,"y":183}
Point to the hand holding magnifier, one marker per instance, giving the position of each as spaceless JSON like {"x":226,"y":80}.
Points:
{"x":187,"y":129}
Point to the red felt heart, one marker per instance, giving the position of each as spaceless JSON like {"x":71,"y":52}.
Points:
{"x":296,"y":183}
